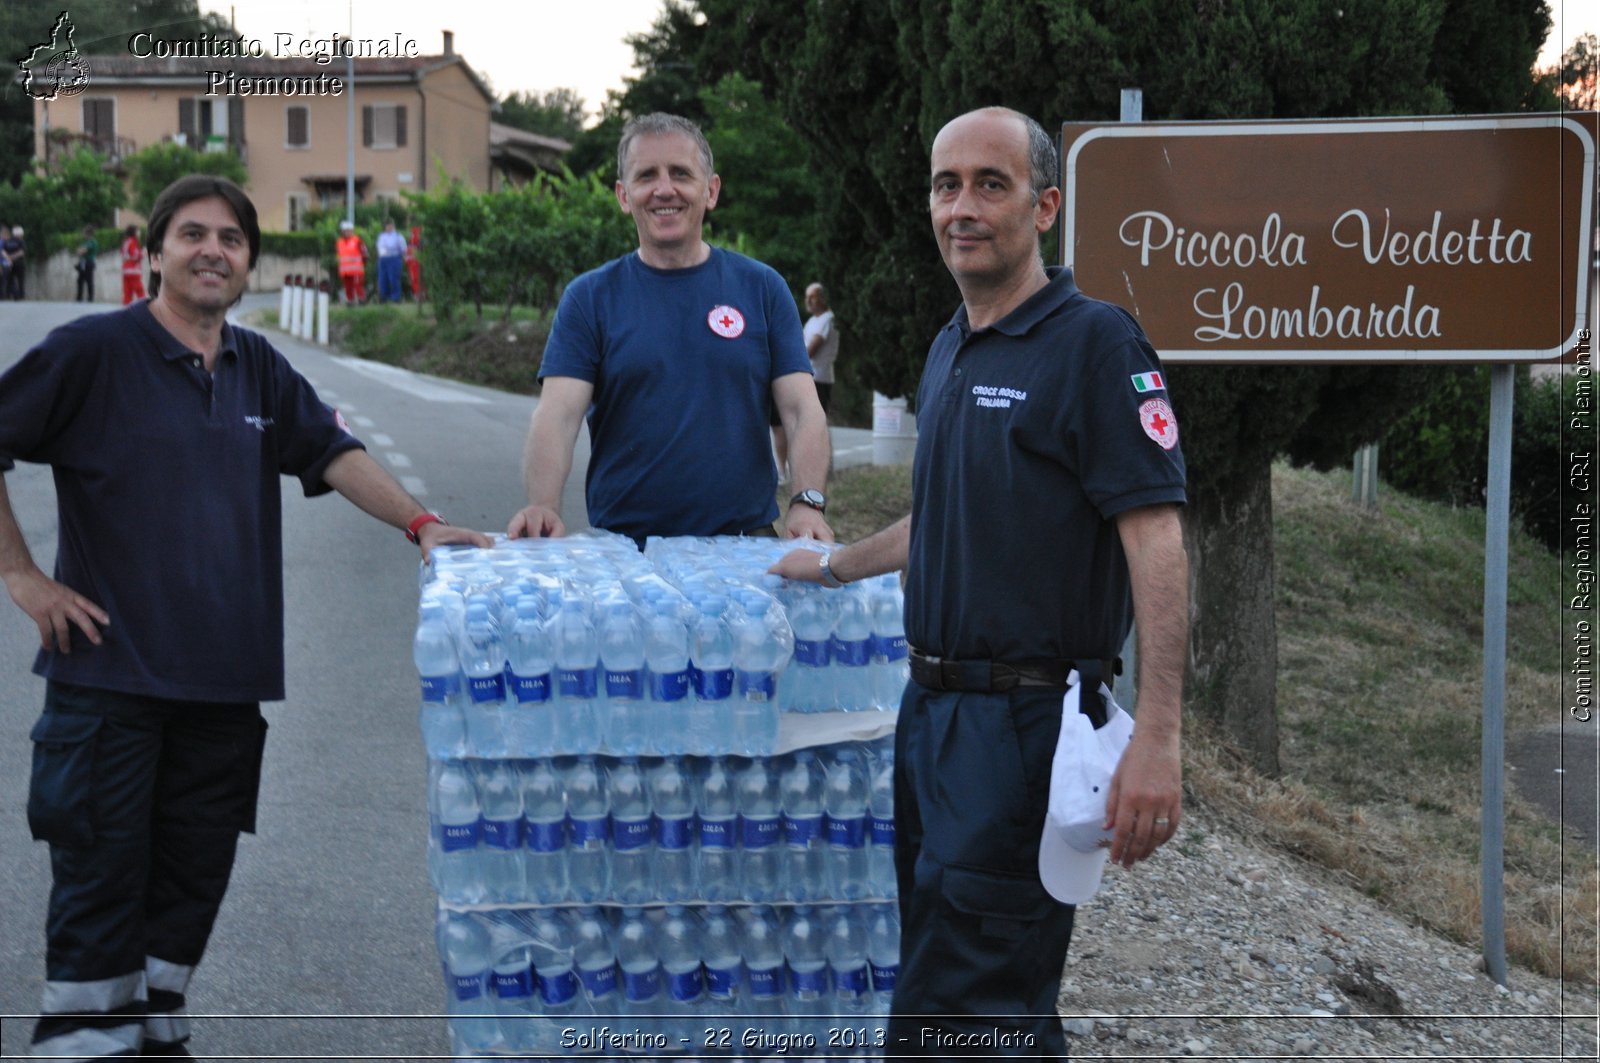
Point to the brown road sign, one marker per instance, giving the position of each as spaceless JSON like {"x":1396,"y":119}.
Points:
{"x":1415,"y":239}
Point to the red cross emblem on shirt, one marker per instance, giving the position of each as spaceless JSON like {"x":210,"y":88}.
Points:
{"x":1159,"y":422}
{"x":726,"y":321}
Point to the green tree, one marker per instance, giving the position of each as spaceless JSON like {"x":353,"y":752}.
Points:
{"x":555,"y":113}
{"x":78,"y":192}
{"x":154,"y":168}
{"x":1572,"y":83}
{"x":868,"y":85}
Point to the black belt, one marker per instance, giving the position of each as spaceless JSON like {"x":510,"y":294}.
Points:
{"x":984,"y":677}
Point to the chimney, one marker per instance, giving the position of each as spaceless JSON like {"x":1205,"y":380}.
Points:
{"x":449,"y":43}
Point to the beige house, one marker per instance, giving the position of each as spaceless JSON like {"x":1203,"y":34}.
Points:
{"x":414,"y":117}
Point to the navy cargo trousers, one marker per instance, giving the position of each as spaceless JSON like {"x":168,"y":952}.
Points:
{"x":141,"y":801}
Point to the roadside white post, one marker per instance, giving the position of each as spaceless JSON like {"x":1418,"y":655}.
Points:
{"x":285,"y":296}
{"x":291,"y":321}
{"x":322,"y":313}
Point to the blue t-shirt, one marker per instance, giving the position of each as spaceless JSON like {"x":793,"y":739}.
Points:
{"x":168,"y":498}
{"x":1032,"y":435}
{"x":682,"y":363}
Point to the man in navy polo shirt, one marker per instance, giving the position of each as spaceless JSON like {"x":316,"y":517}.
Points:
{"x":162,"y":629}
{"x":1045,"y":495}
{"x":676,"y":353}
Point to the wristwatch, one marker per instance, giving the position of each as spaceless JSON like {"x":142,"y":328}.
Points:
{"x":417,"y":523}
{"x":815,"y":499}
{"x":825,"y":566}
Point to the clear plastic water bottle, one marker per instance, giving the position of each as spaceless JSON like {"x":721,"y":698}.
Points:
{"x":883,"y":952}
{"x":544,"y":832}
{"x":456,"y":875}
{"x":555,"y":971}
{"x":678,"y":944}
{"x":530,"y":660}
{"x":844,"y":799}
{"x":622,"y":651}
{"x":589,"y":831}
{"x":808,"y":681}
{"x":852,"y":651}
{"x":672,"y":800}
{"x":483,"y":664}
{"x":641,"y":965}
{"x":805,"y":846}
{"x":464,"y":955}
{"x":766,"y":980}
{"x":596,"y":960}
{"x":757,"y":659}
{"x":847,"y":960}
{"x":577,"y":646}
{"x":439,"y":674}
{"x":805,"y":956}
{"x":760,"y":832}
{"x":632,"y":834}
{"x":717,"y":817}
{"x":666,"y":658}
{"x":881,"y":880}
{"x":515,"y":998}
{"x":890,"y":653}
{"x":721,"y":952}
{"x":500,"y":861}
{"x":711,"y":715}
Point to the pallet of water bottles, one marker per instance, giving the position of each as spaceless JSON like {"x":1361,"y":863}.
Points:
{"x":737,"y":980}
{"x":539,"y":647}
{"x":716,"y":905}
{"x":663,"y":751}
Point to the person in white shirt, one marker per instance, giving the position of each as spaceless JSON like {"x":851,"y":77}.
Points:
{"x":822,"y":344}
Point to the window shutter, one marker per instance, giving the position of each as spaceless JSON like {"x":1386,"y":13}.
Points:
{"x":236,"y":120}
{"x":299,"y":133}
{"x":186,"y":123}
{"x":366,"y":127}
{"x":400,"y":126}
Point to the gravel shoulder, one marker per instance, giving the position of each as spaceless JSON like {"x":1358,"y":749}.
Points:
{"x":1222,"y":949}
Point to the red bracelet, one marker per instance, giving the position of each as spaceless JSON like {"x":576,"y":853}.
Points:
{"x":417,"y":523}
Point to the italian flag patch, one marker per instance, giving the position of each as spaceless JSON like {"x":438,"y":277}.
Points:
{"x":1143,"y":382}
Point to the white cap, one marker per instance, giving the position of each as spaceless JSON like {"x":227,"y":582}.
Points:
{"x":1075,"y":844}
{"x":347,"y":225}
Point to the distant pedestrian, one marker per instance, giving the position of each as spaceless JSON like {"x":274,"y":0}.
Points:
{"x":15,"y":249}
{"x":391,"y":256}
{"x":822,"y":346}
{"x":132,"y":266}
{"x":85,"y":265}
{"x":352,"y":252}
{"x":5,"y":264}
{"x":414,"y":262}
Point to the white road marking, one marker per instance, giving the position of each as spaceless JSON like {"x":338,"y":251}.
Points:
{"x":381,"y":440}
{"x":399,"y":461}
{"x":364,"y":422}
{"x":409,"y":382}
{"x":414,"y":485}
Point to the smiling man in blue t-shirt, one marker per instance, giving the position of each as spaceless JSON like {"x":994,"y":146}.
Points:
{"x":675,"y":353}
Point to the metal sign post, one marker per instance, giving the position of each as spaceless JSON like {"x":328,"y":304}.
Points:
{"x":1496,"y":551}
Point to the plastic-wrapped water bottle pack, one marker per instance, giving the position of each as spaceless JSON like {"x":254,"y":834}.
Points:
{"x":660,"y":798}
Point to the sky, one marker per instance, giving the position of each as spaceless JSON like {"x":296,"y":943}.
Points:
{"x":538,"y":45}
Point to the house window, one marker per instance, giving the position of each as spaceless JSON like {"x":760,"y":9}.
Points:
{"x":295,"y":216}
{"x":100,"y":121}
{"x":299,"y":134}
{"x":383,"y":126}
{"x":211,"y":125}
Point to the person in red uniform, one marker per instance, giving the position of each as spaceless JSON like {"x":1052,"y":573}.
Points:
{"x":414,"y":262}
{"x":352,"y":264}
{"x":132,"y":266}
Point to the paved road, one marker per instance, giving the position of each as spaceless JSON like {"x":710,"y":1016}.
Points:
{"x":1556,"y":768}
{"x":324,"y":947}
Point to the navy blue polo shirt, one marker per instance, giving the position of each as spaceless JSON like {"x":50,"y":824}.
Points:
{"x":682,"y":362}
{"x":167,"y":491}
{"x":1032,"y":435}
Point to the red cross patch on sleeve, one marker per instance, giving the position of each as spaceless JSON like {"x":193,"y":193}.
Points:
{"x":1159,"y":422}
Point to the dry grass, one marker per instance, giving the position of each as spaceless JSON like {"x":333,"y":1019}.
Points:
{"x":1379,"y":705}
